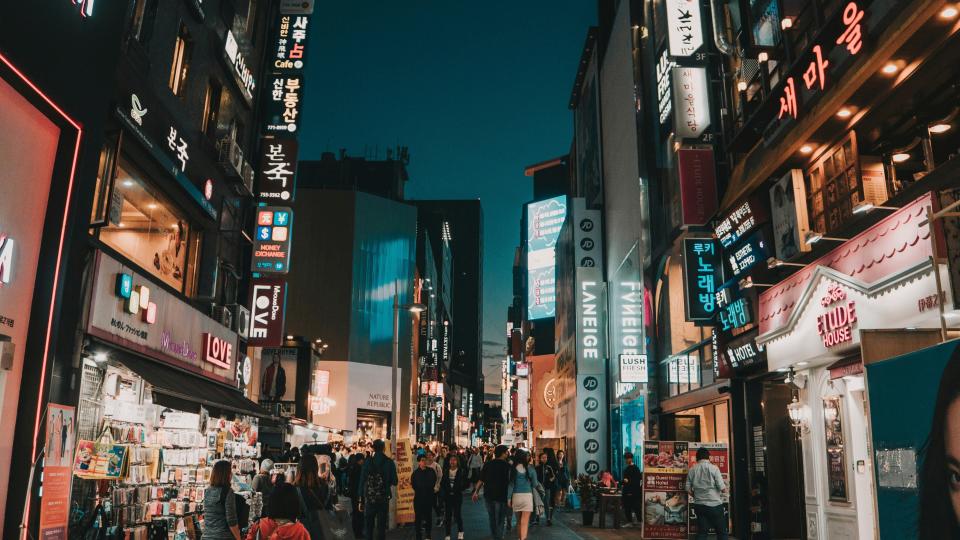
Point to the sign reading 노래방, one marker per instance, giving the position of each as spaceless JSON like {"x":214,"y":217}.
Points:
{"x":703,"y":275}
{"x":158,"y":324}
{"x":665,"y":501}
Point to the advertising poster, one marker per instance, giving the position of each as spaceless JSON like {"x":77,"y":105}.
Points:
{"x":404,"y":460}
{"x":665,"y":504}
{"x":57,"y":461}
{"x":916,"y":430}
{"x":719,"y":456}
{"x":788,"y":206}
{"x":544,"y":220}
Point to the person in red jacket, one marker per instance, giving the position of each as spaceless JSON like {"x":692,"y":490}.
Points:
{"x":280,"y":520}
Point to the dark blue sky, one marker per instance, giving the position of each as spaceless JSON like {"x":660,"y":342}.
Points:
{"x":476,"y":90}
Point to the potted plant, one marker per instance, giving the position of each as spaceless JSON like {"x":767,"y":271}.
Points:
{"x":587,"y":490}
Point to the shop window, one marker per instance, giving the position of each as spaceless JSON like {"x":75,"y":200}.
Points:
{"x":149,"y":230}
{"x":833,"y":186}
{"x":182,"y":51}
{"x":211,"y":109}
{"x":106,"y":172}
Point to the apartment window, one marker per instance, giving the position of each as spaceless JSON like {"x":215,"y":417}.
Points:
{"x":149,"y":230}
{"x":106,"y":172}
{"x":211,"y":108}
{"x":833,"y":186}
{"x":182,"y":50}
{"x":141,"y":22}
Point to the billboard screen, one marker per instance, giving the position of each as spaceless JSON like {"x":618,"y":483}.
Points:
{"x":544,"y":220}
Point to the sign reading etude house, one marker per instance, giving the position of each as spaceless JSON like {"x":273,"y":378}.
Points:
{"x":271,"y":242}
{"x":278,"y":170}
{"x":703,"y":274}
{"x":158,"y":324}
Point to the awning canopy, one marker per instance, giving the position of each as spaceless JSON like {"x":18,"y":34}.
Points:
{"x":185,"y":391}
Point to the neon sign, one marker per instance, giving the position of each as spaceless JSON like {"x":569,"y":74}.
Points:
{"x":6,"y":259}
{"x":136,"y":300}
{"x":814,"y":75}
{"x":86,"y":7}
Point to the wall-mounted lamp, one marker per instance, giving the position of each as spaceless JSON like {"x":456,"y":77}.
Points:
{"x":774,"y":262}
{"x":866,"y":207}
{"x":812,"y":237}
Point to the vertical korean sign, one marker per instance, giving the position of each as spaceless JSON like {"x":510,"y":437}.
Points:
{"x":57,"y":463}
{"x":665,"y":504}
{"x":698,"y":185}
{"x":703,"y":274}
{"x":691,"y":102}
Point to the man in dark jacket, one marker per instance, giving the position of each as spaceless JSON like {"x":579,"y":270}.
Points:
{"x":424,"y":481}
{"x":632,"y":490}
{"x":379,"y":473}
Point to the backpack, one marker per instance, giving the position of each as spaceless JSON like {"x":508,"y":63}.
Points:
{"x":375,"y":489}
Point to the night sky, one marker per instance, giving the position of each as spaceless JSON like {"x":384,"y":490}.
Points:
{"x":476,"y":90}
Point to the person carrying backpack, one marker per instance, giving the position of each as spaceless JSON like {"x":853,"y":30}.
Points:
{"x":379,"y":473}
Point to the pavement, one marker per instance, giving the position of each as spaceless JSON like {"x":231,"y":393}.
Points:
{"x":567,"y":525}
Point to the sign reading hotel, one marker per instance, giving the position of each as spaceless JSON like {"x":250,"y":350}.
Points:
{"x":836,"y":325}
{"x":271,"y":243}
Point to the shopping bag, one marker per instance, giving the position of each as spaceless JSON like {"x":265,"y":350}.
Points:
{"x":336,"y":525}
{"x":573,"y":500}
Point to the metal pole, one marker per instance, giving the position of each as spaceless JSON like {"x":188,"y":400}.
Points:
{"x":393,"y":371}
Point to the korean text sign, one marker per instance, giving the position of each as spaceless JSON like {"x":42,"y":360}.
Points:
{"x":703,"y":273}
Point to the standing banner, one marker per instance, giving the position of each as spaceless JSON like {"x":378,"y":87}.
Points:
{"x":404,"y":460}
{"x":665,"y":505}
{"x":57,"y":465}
{"x":719,"y":456}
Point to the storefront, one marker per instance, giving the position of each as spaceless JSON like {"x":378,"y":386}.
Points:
{"x":812,"y":325}
{"x":353,"y":398}
{"x":159,"y":403}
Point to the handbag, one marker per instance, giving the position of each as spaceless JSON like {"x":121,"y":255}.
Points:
{"x":573,"y":500}
{"x":538,"y":493}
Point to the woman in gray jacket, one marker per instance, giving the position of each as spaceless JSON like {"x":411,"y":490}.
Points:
{"x":220,"y":505}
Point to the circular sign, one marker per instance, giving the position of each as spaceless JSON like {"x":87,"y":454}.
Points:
{"x":591,"y":404}
{"x":591,"y":425}
{"x":586,"y":244}
{"x":590,"y":384}
{"x":591,"y":446}
{"x":208,"y":189}
{"x":591,"y":467}
{"x":586,"y":225}
{"x":551,"y":394}
{"x":587,"y":262}
{"x":245,"y":369}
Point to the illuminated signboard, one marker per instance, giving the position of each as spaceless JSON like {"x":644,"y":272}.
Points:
{"x":691,"y":102}
{"x":85,"y":6}
{"x":703,"y":274}
{"x":544,"y":221}
{"x":238,"y":62}
{"x":591,"y":324}
{"x":290,"y":45}
{"x":268,"y":302}
{"x":664,"y":94}
{"x":737,"y":223}
{"x":276,"y":181}
{"x":747,"y":255}
{"x":740,"y":352}
{"x":698,"y":185}
{"x":812,"y":79}
{"x":271,"y":243}
{"x":835,"y":326}
{"x":736,"y":314}
{"x":6,"y":259}
{"x":633,"y":368}
{"x":684,"y":27}
{"x":282,"y":111}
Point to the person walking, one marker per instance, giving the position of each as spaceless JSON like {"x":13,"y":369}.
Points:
{"x":706,"y":488}
{"x":494,"y":478}
{"x":423,"y":480}
{"x":548,"y":476}
{"x":632,"y":490}
{"x":520,"y":491}
{"x":454,"y":482}
{"x":353,"y":491}
{"x":262,"y":483}
{"x":280,"y":519}
{"x":379,"y":473}
{"x":438,"y":469}
{"x":220,"y":505}
{"x":475,"y":463}
{"x":563,"y":479}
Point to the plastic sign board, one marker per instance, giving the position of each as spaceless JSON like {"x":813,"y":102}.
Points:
{"x":684,"y":27}
{"x":698,"y":185}
{"x":745,"y":256}
{"x":734,"y":315}
{"x":268,"y":302}
{"x":271,"y":242}
{"x":6,"y":259}
{"x":703,"y":275}
{"x":290,"y":46}
{"x":282,"y":110}
{"x":238,"y":62}
{"x":743,"y":219}
{"x":276,"y":181}
{"x":691,"y":102}
{"x":633,"y":368}
{"x":217,"y":351}
{"x":544,"y":221}
{"x":591,"y":324}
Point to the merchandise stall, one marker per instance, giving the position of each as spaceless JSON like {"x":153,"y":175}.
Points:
{"x":812,"y":327}
{"x":158,"y":406}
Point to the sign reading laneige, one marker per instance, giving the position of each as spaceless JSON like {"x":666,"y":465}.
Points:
{"x":178,"y":334}
{"x":591,"y":325}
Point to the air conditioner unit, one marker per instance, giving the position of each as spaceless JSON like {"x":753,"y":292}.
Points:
{"x":223,"y":315}
{"x":247,"y":176}
{"x":241,"y":320}
{"x":231,"y":156}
